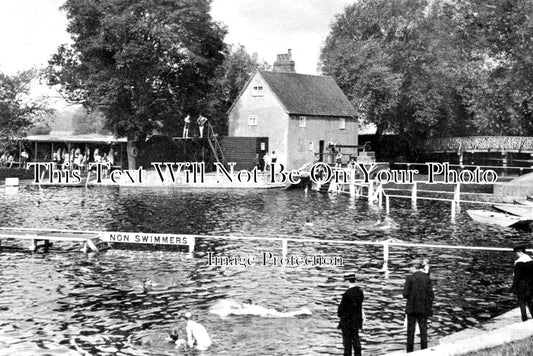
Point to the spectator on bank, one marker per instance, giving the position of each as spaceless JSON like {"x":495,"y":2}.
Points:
{"x":266,"y":161}
{"x":523,"y":280}
{"x":97,"y":157}
{"x":24,"y":158}
{"x":111,"y":157}
{"x":338,"y":160}
{"x":350,"y":312}
{"x":418,"y":290}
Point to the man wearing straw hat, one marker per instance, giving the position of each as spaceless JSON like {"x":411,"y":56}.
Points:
{"x":523,"y":280}
{"x":418,"y":291}
{"x":350,"y":312}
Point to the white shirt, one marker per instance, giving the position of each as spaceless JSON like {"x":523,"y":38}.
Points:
{"x":197,"y":333}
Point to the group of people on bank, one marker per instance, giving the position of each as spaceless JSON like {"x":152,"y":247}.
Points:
{"x":418,"y":292}
{"x":76,"y":159}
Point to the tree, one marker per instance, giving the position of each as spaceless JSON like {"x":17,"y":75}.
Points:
{"x":145,"y":64}
{"x":230,"y":79}
{"x":500,"y":37}
{"x":18,"y":111}
{"x":88,"y":122}
{"x":399,"y":65}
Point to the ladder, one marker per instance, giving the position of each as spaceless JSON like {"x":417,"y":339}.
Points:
{"x":215,"y":146}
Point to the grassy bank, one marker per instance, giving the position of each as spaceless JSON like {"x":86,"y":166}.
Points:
{"x":522,"y":347}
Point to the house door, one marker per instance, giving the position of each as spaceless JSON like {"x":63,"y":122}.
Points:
{"x":321,"y":150}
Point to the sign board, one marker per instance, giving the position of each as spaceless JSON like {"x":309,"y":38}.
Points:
{"x":12,"y":182}
{"x":146,"y":238}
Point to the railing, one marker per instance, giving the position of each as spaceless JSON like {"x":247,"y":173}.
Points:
{"x":190,"y":240}
{"x":480,"y":144}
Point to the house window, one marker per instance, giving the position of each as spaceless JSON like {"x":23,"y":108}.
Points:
{"x":311,"y":146}
{"x":342,"y":123}
{"x":252,"y":120}
{"x":257,"y":90}
{"x":303,"y":121}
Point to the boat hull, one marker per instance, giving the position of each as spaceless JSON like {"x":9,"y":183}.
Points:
{"x":517,"y":210}
{"x":493,"y":218}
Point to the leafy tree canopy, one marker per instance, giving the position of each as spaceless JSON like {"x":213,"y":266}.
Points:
{"x":425,"y":68}
{"x":144,"y":64}
{"x":18,"y":110}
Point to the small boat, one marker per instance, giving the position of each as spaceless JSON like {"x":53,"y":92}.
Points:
{"x":489,"y":217}
{"x":524,"y":202}
{"x":525,"y":211}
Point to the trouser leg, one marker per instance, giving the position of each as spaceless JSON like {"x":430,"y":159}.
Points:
{"x":347,"y":341}
{"x":356,"y":343}
{"x":522,"y":304}
{"x":423,"y":324}
{"x":530,"y":306}
{"x":411,"y":324}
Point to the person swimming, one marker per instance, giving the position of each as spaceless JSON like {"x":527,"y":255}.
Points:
{"x":197,"y":336}
{"x":230,"y":307}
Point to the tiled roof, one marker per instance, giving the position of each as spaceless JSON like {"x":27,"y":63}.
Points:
{"x":304,"y":94}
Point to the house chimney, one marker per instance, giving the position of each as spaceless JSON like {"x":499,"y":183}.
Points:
{"x":284,"y":63}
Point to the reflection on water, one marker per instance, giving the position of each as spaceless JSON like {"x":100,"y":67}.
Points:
{"x":66,"y":303}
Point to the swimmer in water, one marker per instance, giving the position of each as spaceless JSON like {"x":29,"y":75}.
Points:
{"x":173,"y":337}
{"x":197,"y":336}
{"x":248,"y":308}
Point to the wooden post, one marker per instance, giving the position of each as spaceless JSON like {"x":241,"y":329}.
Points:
{"x":191,"y":244}
{"x":284,"y":248}
{"x":457,"y":196}
{"x":385,"y":256}
{"x":413,"y":193}
{"x":504,"y":163}
{"x":453,"y":210}
{"x":352,"y":183}
{"x":380,"y":196}
{"x":387,"y":204}
{"x":33,"y":245}
{"x":370,"y":190}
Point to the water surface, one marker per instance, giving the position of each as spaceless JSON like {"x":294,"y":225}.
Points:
{"x":68,"y":303}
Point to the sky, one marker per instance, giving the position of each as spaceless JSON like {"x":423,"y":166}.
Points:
{"x":31,"y":30}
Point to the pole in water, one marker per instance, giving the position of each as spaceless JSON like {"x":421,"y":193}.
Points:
{"x":453,"y":210}
{"x":370,"y":191}
{"x":387,"y":204}
{"x":385,"y":267}
{"x":413,"y":194}
{"x":284,"y":248}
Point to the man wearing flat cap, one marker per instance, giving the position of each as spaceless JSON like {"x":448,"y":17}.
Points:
{"x":523,"y":280}
{"x":418,"y":290}
{"x":350,"y":312}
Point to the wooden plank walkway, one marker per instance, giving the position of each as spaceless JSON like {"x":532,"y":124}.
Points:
{"x":89,"y":239}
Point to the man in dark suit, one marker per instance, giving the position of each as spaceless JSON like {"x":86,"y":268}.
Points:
{"x":418,"y":291}
{"x":350,"y":312}
{"x":523,"y":280}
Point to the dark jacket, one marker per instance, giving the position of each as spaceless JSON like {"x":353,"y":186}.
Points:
{"x":350,"y":309}
{"x":523,"y":280}
{"x":419,"y":293}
